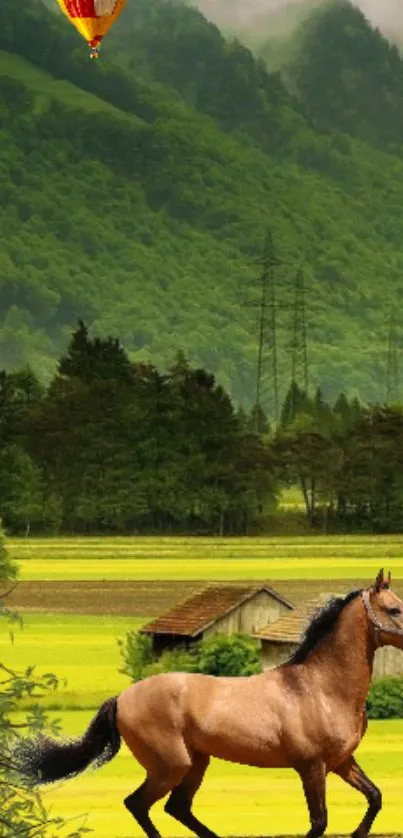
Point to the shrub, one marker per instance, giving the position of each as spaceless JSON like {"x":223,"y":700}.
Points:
{"x":137,"y":653}
{"x":220,"y":655}
{"x":174,"y":660}
{"x":385,"y":699}
{"x":234,"y":655}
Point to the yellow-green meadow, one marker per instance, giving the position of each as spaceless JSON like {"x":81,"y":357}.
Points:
{"x":82,"y":650}
{"x":234,"y":799}
{"x":143,"y":558}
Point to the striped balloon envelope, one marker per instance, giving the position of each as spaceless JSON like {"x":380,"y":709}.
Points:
{"x":92,"y":18}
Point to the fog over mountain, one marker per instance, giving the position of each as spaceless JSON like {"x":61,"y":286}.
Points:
{"x":387,"y":14}
{"x":244,"y":14}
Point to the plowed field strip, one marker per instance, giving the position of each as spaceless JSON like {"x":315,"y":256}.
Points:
{"x":149,"y":598}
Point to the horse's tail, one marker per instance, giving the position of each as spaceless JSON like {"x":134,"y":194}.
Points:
{"x":44,"y":760}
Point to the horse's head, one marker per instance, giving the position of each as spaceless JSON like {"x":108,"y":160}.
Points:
{"x":384,"y":612}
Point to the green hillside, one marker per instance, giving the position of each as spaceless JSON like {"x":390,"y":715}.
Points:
{"x":136,"y":194}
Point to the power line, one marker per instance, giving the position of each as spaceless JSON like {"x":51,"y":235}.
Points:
{"x":299,"y":352}
{"x":266,"y":370}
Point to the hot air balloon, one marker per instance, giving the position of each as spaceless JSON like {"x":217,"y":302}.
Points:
{"x":92,"y":18}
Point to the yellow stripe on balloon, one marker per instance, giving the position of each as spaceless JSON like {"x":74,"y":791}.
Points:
{"x":64,"y":8}
{"x":93,"y":27}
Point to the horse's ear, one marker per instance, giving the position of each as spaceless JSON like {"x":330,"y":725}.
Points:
{"x":388,"y":582}
{"x":379,"y":581}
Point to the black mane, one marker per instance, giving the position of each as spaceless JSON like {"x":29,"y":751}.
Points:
{"x":320,"y":625}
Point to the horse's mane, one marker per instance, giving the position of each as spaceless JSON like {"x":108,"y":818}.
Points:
{"x":320,"y":625}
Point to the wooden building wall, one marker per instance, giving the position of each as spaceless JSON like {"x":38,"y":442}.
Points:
{"x":249,"y":617}
{"x":273,"y":654}
{"x":388,"y":660}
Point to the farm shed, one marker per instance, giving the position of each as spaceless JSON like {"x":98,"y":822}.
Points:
{"x":280,"y":639}
{"x":220,"y":609}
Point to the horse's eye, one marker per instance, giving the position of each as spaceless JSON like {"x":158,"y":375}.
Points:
{"x":394,"y":612}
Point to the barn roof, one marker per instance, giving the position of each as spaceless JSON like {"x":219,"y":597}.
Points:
{"x":290,"y":627}
{"x":191,"y":617}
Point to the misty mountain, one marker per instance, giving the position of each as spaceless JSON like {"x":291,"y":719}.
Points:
{"x":264,"y":18}
{"x":341,"y":74}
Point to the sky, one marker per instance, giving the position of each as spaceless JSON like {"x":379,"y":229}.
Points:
{"x":387,"y":14}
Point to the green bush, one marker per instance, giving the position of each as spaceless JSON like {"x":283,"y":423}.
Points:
{"x":220,"y":655}
{"x":235,"y":655}
{"x":137,"y":652}
{"x":173,"y":660}
{"x":385,"y":699}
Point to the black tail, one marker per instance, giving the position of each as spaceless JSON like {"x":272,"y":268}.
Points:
{"x":44,"y":760}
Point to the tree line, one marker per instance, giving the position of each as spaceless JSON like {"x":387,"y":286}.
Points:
{"x":346,"y":459}
{"x":120,"y":447}
{"x":116,"y":446}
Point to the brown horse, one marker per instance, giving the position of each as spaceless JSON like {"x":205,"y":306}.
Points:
{"x":308,"y":714}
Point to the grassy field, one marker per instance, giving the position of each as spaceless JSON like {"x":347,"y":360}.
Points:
{"x":81,"y":650}
{"x":237,"y":800}
{"x":324,"y":558}
{"x":145,"y":576}
{"x":100,"y":588}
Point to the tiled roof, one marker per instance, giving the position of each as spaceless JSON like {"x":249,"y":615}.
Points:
{"x":190,"y":618}
{"x":290,"y":627}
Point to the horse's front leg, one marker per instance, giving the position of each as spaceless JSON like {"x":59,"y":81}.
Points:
{"x":351,"y":772}
{"x":313,"y":776}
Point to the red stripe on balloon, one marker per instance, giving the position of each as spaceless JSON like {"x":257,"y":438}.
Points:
{"x":80,"y":8}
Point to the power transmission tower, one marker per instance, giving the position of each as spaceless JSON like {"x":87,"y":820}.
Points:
{"x":392,"y":373}
{"x":299,"y":352}
{"x":267,"y":373}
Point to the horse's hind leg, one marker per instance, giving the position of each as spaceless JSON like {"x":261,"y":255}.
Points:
{"x":154,"y":788}
{"x":179,"y":803}
{"x":351,"y":772}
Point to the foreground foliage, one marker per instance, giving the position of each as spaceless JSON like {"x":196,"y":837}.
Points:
{"x":22,"y":813}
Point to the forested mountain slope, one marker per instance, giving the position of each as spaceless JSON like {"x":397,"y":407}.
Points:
{"x":363,"y":94}
{"x":137,"y":194}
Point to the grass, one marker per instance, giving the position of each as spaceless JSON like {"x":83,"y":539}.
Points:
{"x":237,"y":800}
{"x":211,"y":559}
{"x":234,"y":800}
{"x":81,"y":650}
